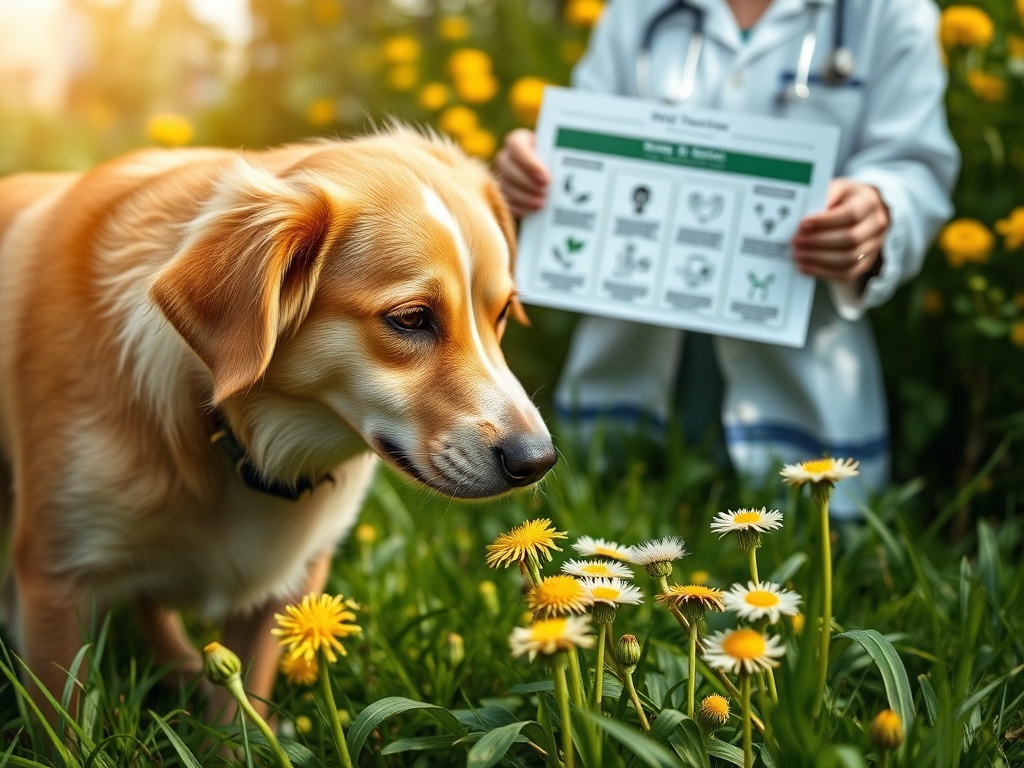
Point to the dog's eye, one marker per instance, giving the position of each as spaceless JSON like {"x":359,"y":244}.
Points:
{"x":412,"y":319}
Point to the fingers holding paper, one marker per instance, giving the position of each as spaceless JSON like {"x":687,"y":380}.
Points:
{"x":843,"y":242}
{"x":521,"y":174}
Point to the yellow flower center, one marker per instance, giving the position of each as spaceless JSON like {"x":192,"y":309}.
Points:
{"x":596,"y":569}
{"x":548,"y":630}
{"x":817,"y":465}
{"x":762,"y":599}
{"x":556,"y":590}
{"x":747,"y":517}
{"x":607,"y":552}
{"x":605,"y":593}
{"x":696,"y":591}
{"x":744,"y":644}
{"x":716,"y":705}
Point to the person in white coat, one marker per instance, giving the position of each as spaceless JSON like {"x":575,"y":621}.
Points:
{"x":871,"y":67}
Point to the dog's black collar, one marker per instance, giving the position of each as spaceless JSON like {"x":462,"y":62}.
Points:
{"x":247,"y":472}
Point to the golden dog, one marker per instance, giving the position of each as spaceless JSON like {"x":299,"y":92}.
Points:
{"x":203,"y":351}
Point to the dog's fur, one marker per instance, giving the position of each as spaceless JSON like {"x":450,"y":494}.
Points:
{"x":326,"y":300}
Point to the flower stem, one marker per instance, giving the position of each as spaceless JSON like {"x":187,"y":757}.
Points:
{"x":576,"y":680}
{"x":748,"y":742}
{"x":752,"y":559}
{"x":562,"y":698}
{"x":602,"y":633}
{"x":826,"y":617}
{"x":235,"y":688}
{"x":332,"y":713}
{"x":631,"y":689}
{"x":692,"y":681}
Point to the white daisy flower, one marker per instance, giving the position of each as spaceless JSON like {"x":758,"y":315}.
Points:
{"x":549,"y":636}
{"x":826,"y":470}
{"x":597,"y":569}
{"x":591,"y":547}
{"x":760,"y":520}
{"x":763,"y":600}
{"x":664,"y":550}
{"x":742,"y":649}
{"x":612,"y":591}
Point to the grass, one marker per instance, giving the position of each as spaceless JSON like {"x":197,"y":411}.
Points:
{"x":926,"y":626}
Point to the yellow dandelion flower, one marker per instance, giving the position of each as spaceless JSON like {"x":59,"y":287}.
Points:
{"x":986,"y":87}
{"x":966,"y":240}
{"x":964,"y":26}
{"x":318,"y":623}
{"x":693,"y":598}
{"x":1017,"y":333}
{"x":366,"y":534}
{"x":742,"y":649}
{"x":798,"y":621}
{"x":763,"y":600}
{"x":550,"y":636}
{"x":583,"y":13}
{"x":169,"y":130}
{"x":299,"y":670}
{"x":525,"y":96}
{"x":479,"y":143}
{"x":433,"y":96}
{"x":826,"y":470}
{"x":403,"y":77}
{"x":458,"y":120}
{"x":591,"y":547}
{"x":467,"y":62}
{"x":453,"y":28}
{"x":401,"y":49}
{"x":1012,"y":229}
{"x":886,"y":730}
{"x":477,"y":88}
{"x":533,"y":538}
{"x":558,"y":596}
{"x":597,"y":569}
{"x":320,"y":112}
{"x":713,"y":712}
{"x":303,"y":724}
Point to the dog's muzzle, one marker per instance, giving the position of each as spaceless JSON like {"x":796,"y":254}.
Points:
{"x":524,"y":460}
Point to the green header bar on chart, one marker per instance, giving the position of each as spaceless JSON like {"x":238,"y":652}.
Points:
{"x":688,"y":155}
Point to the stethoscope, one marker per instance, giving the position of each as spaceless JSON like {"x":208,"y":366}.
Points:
{"x":838,"y":69}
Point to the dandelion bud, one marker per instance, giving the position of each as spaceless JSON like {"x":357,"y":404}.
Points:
{"x":456,"y":648}
{"x":222,"y":666}
{"x":713,"y":712}
{"x":603,"y":613}
{"x":303,"y":724}
{"x":886,"y":730}
{"x":489,"y":594}
{"x":798,"y":620}
{"x":366,"y":534}
{"x":627,"y":652}
{"x":658,"y":569}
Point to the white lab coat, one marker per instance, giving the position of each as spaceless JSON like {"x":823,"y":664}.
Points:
{"x":781,"y":404}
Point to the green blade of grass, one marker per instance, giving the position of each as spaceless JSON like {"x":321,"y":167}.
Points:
{"x":647,"y":751}
{"x":494,"y":744}
{"x":381,"y":710}
{"x":890,"y":665}
{"x":187,"y":758}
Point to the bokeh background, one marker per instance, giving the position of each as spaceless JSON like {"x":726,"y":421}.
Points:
{"x":83,"y":80}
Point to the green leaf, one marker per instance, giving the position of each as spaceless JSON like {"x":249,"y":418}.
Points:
{"x":723,"y":751}
{"x":647,"y":750}
{"x":494,"y":744}
{"x":187,"y":758}
{"x":673,"y":727}
{"x":418,"y":744}
{"x":894,"y":673}
{"x":931,"y":701}
{"x":381,"y":710}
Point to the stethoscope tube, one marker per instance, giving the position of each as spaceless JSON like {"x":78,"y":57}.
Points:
{"x":838,"y":69}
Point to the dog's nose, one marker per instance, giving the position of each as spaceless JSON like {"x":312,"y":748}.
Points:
{"x":525,"y":459}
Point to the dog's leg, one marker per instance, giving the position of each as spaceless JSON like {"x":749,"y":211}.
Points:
{"x":165,"y":633}
{"x":248,"y":635}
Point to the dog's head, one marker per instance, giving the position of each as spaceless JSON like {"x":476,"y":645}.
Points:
{"x":356,"y":295}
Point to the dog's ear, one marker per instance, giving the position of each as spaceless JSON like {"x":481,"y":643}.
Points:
{"x":246,"y":272}
{"x":496,"y":202}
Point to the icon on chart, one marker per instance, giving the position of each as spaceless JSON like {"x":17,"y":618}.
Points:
{"x":705,"y":208}
{"x":578,"y":197}
{"x":759,"y":285}
{"x":629,"y":263}
{"x":641,"y":197}
{"x":568,"y":257}
{"x":771,"y":219}
{"x":696,"y":271}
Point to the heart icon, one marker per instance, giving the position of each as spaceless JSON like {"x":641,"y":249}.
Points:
{"x":705,"y":208}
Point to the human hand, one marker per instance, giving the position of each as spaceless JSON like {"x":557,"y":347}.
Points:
{"x":843,"y":242}
{"x":521,"y":174}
